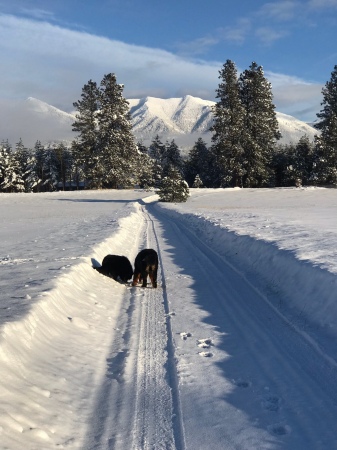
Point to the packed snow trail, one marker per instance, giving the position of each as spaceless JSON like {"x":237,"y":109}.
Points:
{"x":205,"y":362}
{"x":137,"y":406}
{"x":263,"y":385}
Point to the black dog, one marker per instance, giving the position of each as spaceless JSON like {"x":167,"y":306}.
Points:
{"x":146,"y":264}
{"x":116,"y":266}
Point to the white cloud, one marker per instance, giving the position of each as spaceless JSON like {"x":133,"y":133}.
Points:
{"x":295,"y":96}
{"x":37,"y":13}
{"x":321,"y":4}
{"x":281,"y":10}
{"x":52,"y":64}
{"x":197,"y":47}
{"x":269,"y":35}
{"x":238,"y":32}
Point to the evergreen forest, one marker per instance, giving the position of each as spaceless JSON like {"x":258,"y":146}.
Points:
{"x":244,"y":151}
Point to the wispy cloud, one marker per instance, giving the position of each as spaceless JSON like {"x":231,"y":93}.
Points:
{"x":198,"y":46}
{"x":268,"y":35}
{"x":238,"y":32}
{"x":39,"y":14}
{"x":53,"y":63}
{"x":322,"y":4}
{"x":279,"y":11}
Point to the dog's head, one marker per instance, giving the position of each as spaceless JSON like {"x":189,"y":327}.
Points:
{"x":126,"y":276}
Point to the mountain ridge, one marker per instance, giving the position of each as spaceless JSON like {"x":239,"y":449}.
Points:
{"x":184,"y":119}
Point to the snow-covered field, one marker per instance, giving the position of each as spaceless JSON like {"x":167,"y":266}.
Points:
{"x":236,"y":349}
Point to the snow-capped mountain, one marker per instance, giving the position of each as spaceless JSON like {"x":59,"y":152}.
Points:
{"x":33,"y":120}
{"x":188,"y":118}
{"x":183,"y":119}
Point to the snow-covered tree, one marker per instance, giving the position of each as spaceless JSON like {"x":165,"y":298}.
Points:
{"x":86,"y":152}
{"x":172,"y":158}
{"x":197,"y":182}
{"x":325,"y":160}
{"x":228,"y":128}
{"x":119,"y":153}
{"x":173,"y":188}
{"x":260,"y":126}
{"x":329,"y":102}
{"x":39,"y":155}
{"x":27,"y":164}
{"x":10,"y":171}
{"x":303,"y":161}
{"x":51,"y":170}
{"x":147,"y":178}
{"x":325,"y":164}
{"x":156,"y":152}
{"x":199,"y":162}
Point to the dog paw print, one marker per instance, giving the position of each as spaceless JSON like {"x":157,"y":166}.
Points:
{"x":204,"y":343}
{"x":184,"y":335}
{"x":206,"y":354}
{"x":279,"y":429}
{"x":271,"y":403}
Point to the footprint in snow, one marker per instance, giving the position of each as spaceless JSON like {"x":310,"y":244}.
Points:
{"x":242,"y":383}
{"x":279,"y":429}
{"x":271,"y":403}
{"x":206,"y":354}
{"x":204,"y":343}
{"x":184,"y":335}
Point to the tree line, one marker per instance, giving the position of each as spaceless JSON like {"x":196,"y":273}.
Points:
{"x":244,"y":150}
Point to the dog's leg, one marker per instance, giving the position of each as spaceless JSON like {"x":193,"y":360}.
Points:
{"x":144,"y":277}
{"x":153,"y":279}
{"x":135,"y":281}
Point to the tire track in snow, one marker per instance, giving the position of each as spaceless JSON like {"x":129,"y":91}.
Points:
{"x":158,"y":418}
{"x":137,"y":405}
{"x":285,"y":382}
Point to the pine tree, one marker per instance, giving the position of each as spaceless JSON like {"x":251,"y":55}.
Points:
{"x":260,"y":126}
{"x":51,"y":169}
{"x":228,"y":128}
{"x":119,"y":154}
{"x":146,"y":169}
{"x":64,"y":158}
{"x":39,"y":155}
{"x":10,"y":171}
{"x":329,"y":102}
{"x":197,"y":182}
{"x":325,"y":161}
{"x":199,"y":162}
{"x":172,"y":158}
{"x":173,"y":188}
{"x":303,"y":161}
{"x":27,"y":164}
{"x":325,"y":165}
{"x":86,"y":147}
{"x":156,"y":153}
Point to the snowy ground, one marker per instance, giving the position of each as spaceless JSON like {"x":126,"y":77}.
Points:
{"x":236,"y":349}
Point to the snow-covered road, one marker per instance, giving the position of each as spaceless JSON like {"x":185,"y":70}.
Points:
{"x":220,"y":356}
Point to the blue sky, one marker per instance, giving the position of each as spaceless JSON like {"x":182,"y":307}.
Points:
{"x":50,"y":49}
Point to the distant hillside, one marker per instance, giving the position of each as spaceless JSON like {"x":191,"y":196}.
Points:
{"x":183,"y":119}
{"x":33,"y":120}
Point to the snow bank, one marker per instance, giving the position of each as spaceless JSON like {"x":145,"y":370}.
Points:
{"x":302,"y":291}
{"x":45,"y":379}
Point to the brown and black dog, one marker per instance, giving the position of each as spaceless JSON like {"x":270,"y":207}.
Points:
{"x":146,"y":264}
{"x":116,"y":266}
